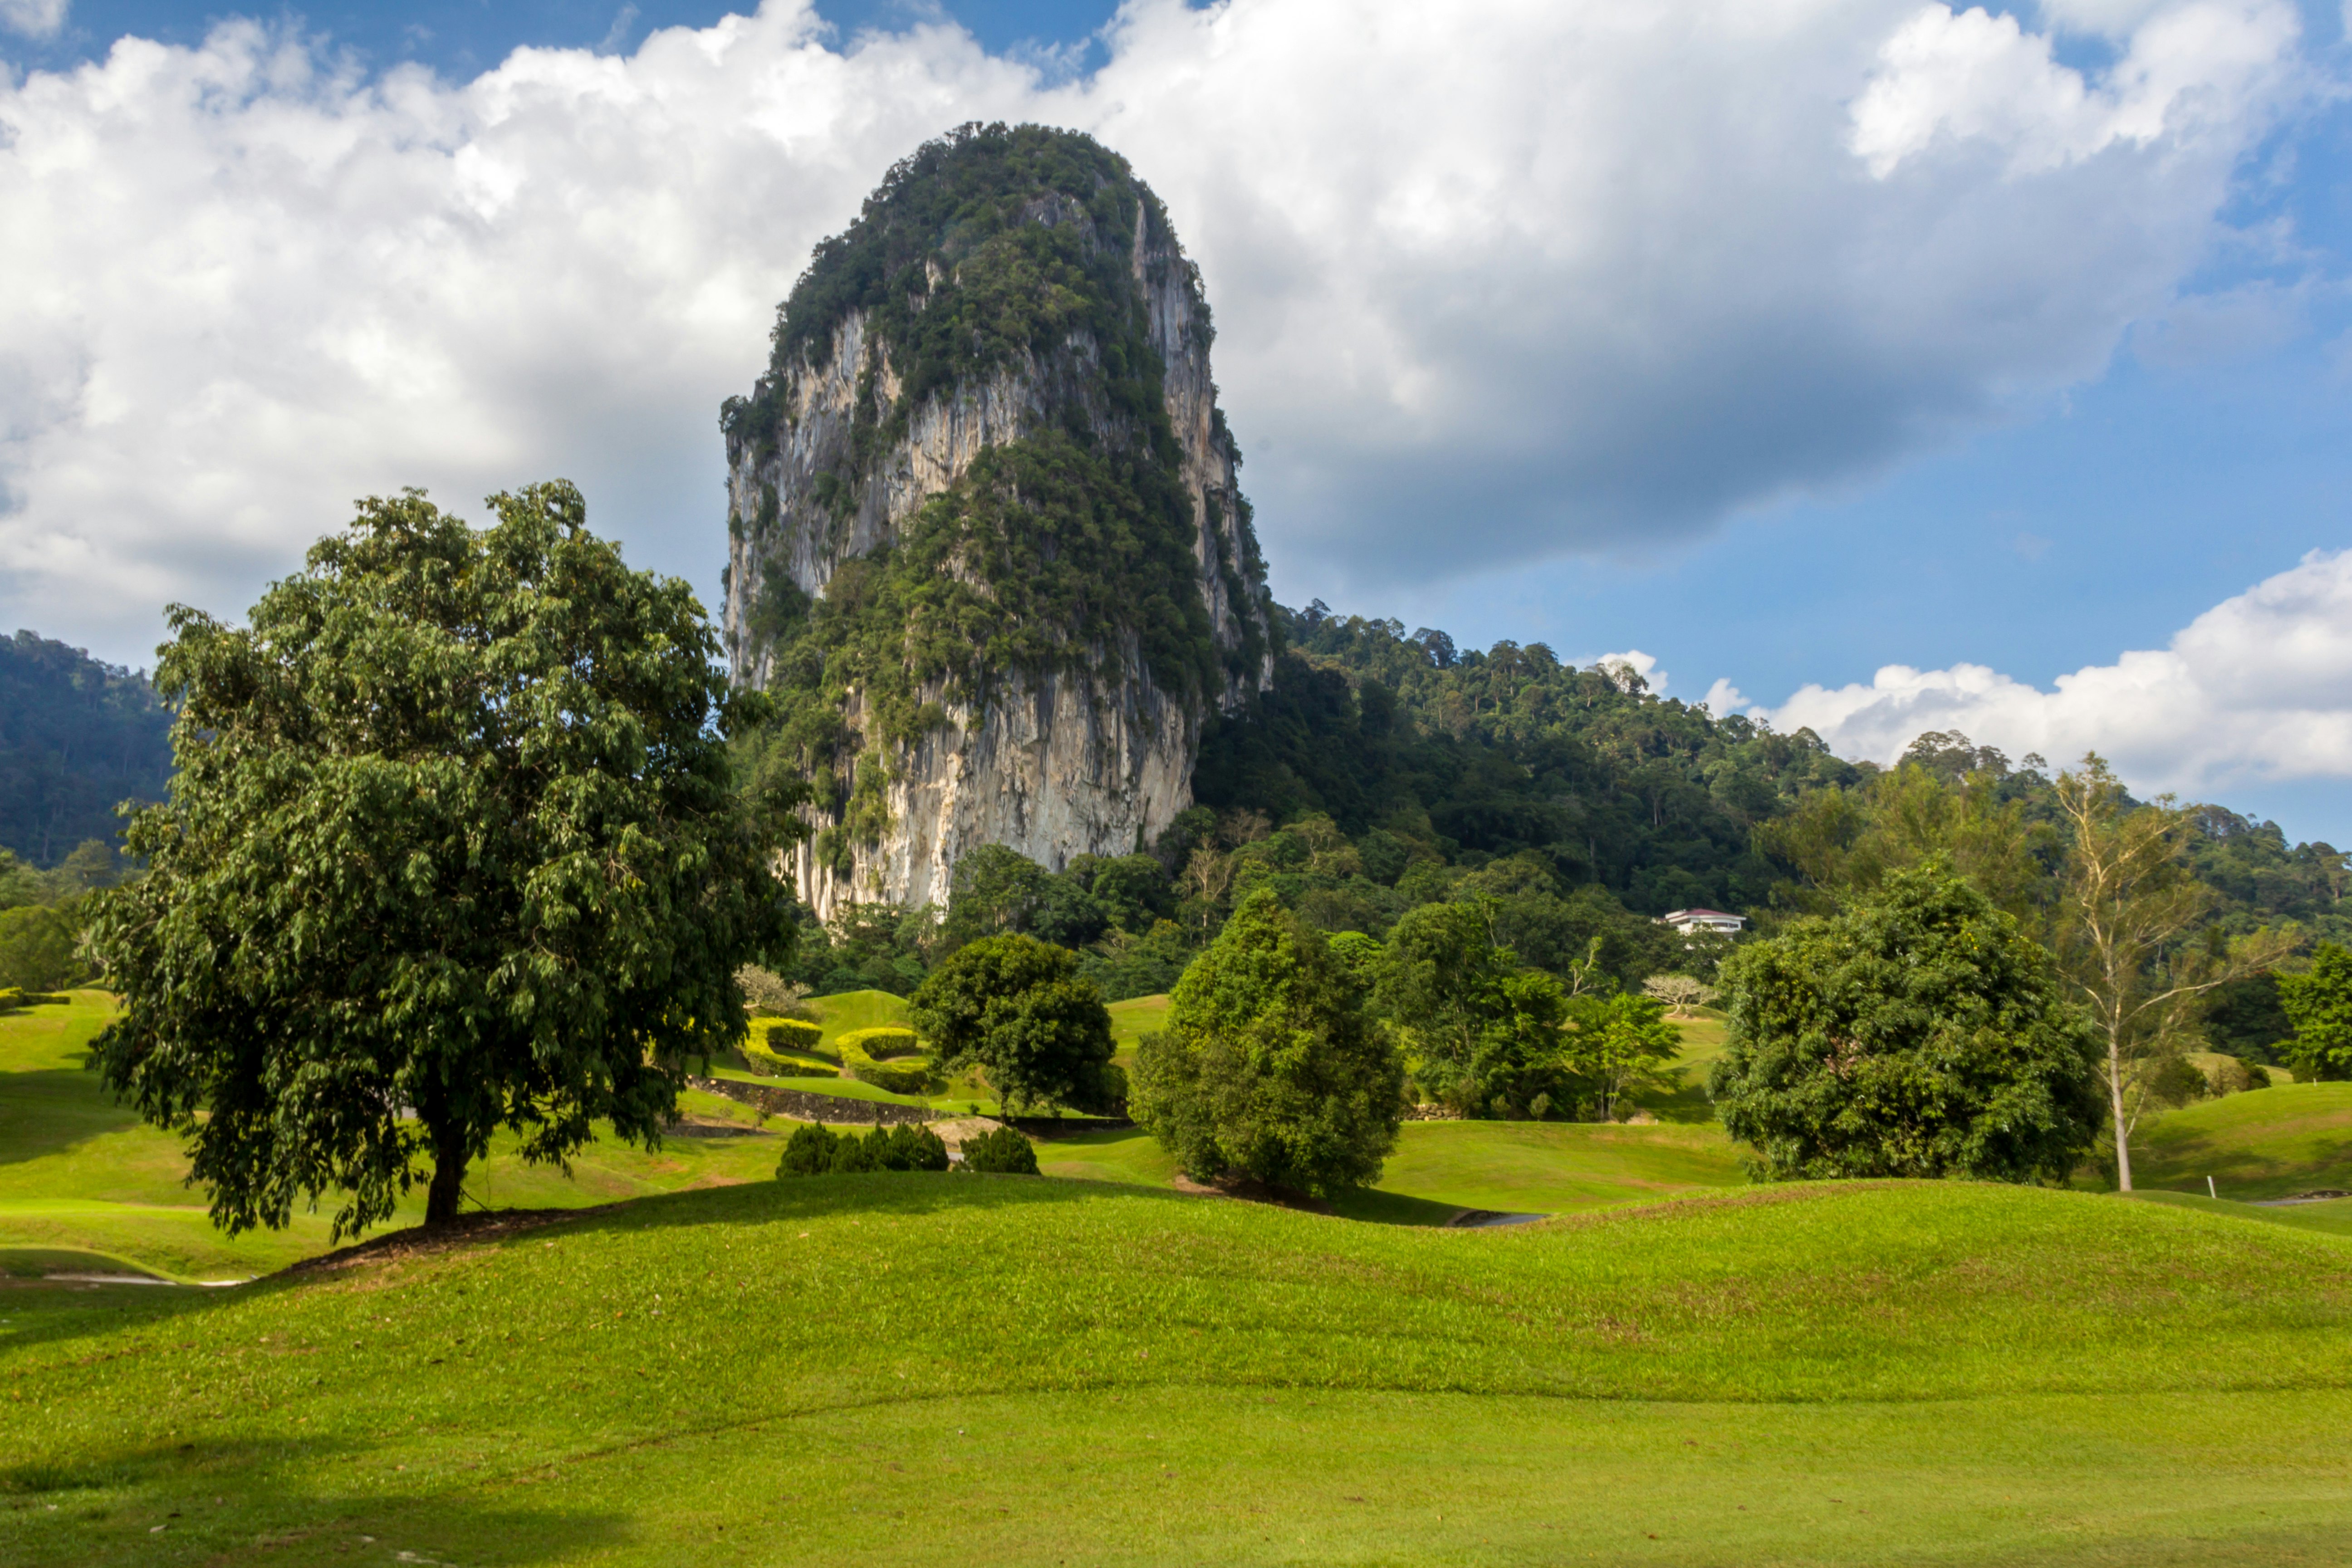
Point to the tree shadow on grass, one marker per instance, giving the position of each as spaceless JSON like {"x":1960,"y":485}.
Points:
{"x":219,"y":1502}
{"x":51,"y":1111}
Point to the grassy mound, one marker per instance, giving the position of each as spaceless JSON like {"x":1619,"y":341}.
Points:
{"x":2268,"y":1143}
{"x":1844,"y":1373}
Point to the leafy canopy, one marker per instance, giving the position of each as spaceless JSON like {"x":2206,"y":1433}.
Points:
{"x":1918,"y":1034}
{"x":2319,"y":1003}
{"x":1269,"y":1066}
{"x":1017,"y":1008}
{"x":453,"y":835}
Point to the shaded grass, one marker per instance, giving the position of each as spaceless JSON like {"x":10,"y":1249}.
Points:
{"x":2330,"y":1217}
{"x":1110,"y":1374}
{"x":2264,"y":1143}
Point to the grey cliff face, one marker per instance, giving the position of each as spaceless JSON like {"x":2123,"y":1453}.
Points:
{"x":1052,"y":763}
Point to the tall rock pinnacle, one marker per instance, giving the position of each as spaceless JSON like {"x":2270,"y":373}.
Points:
{"x":985,"y":541}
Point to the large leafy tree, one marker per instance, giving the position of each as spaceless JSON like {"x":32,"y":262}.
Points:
{"x":1918,"y":1034}
{"x":1269,"y":1066}
{"x":453,"y":847}
{"x":1017,"y":1008}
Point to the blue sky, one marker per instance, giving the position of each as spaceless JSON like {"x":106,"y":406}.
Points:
{"x":2038,"y":515}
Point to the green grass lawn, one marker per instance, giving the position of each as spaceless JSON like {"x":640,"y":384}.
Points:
{"x":837,"y":1016}
{"x":2265,"y":1143}
{"x":79,"y":1172}
{"x":1131,"y":1020}
{"x":974,"y":1370}
{"x":1441,"y":1168}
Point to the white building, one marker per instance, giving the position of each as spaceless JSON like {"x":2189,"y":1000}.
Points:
{"x":1689,"y":921}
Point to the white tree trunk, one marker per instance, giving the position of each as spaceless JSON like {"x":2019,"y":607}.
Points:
{"x":2123,"y":1129}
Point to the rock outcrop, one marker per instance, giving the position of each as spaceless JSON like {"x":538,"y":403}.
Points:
{"x":986,"y":541}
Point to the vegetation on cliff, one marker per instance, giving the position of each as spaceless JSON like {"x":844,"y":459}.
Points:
{"x":1067,"y":551}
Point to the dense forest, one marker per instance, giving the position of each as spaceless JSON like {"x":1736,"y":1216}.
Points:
{"x":1383,"y":771}
{"x":77,"y":736}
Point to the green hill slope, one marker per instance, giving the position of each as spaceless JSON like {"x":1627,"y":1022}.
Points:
{"x":918,"y":1369}
{"x":2269,"y":1143}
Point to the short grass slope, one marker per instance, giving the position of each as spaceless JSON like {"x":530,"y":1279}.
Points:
{"x":2265,"y":1143}
{"x":975,"y":1370}
{"x":81,"y":1173}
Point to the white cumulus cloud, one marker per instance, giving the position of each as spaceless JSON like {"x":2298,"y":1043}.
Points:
{"x":1494,"y":281}
{"x":2257,"y":689}
{"x":33,"y":18}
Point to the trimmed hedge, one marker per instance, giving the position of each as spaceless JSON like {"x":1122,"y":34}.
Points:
{"x":884,"y":1040}
{"x":765,"y":1063}
{"x":816,"y":1150}
{"x":794,"y":1037}
{"x":892,"y":1077}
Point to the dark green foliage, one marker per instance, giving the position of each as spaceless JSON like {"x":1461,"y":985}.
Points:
{"x":1016,"y":1008}
{"x":813,"y":1150}
{"x":999,"y":1151}
{"x":2319,"y":1004}
{"x":37,"y":948}
{"x":2243,"y":1019}
{"x":1270,"y":1067}
{"x":1122,"y":966}
{"x":1506,"y":751}
{"x":1918,"y":1034}
{"x":808,"y":1151}
{"x":76,"y":737}
{"x":453,"y":834}
{"x":1484,"y":1033}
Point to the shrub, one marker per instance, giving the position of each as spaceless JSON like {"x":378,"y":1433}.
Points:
{"x":808,"y":1151}
{"x":792,"y":1037}
{"x":817,"y":1151}
{"x":14,"y":997}
{"x":892,"y":1077}
{"x":1002,"y":1151}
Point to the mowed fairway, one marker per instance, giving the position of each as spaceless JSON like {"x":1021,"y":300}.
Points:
{"x":982,"y":1370}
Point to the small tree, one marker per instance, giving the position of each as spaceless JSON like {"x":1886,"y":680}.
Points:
{"x":1680,"y":992}
{"x":1618,"y":1044}
{"x":2319,"y":1004}
{"x":1269,"y":1066}
{"x":452,"y":846}
{"x":1016,"y":1007}
{"x":1919,"y":1034}
{"x":2128,"y":910}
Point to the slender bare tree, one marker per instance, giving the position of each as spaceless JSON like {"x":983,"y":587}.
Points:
{"x":2129,"y":911}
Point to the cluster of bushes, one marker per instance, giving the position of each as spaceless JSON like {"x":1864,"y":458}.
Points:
{"x":816,"y":1150}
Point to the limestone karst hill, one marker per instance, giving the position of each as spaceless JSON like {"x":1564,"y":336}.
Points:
{"x":986,"y":541}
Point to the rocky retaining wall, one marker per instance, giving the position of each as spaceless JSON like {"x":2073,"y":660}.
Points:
{"x":833,"y":1109}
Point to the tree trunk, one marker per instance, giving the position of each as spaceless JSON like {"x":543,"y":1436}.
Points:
{"x":448,"y":1179}
{"x":2123,"y":1131}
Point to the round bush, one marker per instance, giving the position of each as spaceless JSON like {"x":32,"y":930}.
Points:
{"x":1002,"y":1151}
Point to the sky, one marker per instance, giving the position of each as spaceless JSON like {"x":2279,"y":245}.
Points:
{"x":1872,"y":365}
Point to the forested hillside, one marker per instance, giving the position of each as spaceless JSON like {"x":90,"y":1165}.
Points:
{"x":77,"y":736}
